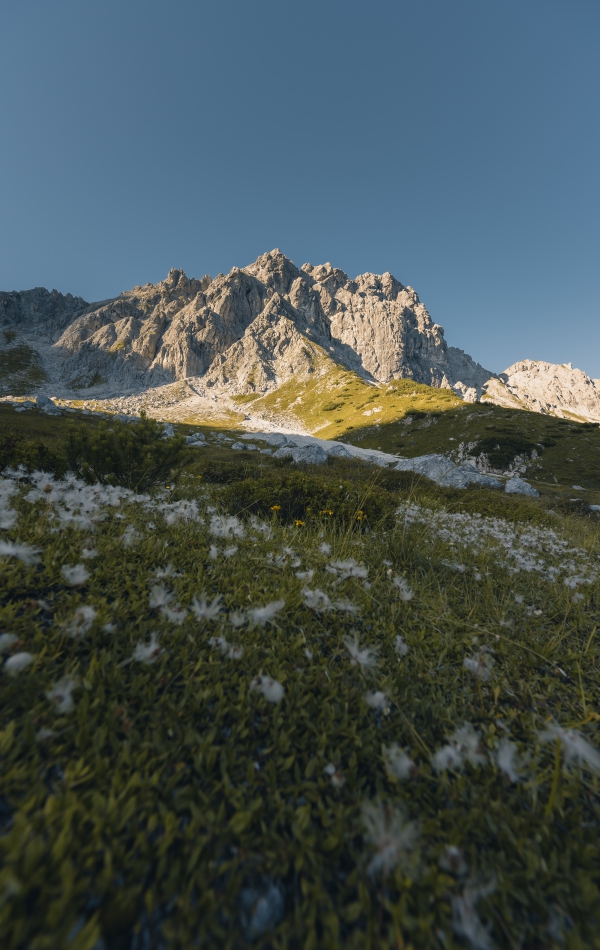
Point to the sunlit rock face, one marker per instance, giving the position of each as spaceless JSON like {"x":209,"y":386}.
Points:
{"x":553,"y":388}
{"x":246,"y":331}
{"x":257,"y":327}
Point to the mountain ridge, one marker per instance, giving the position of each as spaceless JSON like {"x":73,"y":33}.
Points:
{"x":253,"y":329}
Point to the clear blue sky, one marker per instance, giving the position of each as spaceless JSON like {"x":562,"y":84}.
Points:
{"x":455,"y":143}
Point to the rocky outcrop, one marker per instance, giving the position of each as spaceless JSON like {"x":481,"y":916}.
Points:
{"x":553,"y":388}
{"x":247,"y":331}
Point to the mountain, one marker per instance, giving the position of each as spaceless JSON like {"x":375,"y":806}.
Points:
{"x":252,"y":331}
{"x":247,"y":331}
{"x":551,"y":388}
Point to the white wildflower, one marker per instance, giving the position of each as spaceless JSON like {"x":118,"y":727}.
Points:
{"x":235,"y":652}
{"x":8,"y":518}
{"x":230,"y":551}
{"x":213,"y":552}
{"x":465,"y":921}
{"x":316,"y":599}
{"x":75,"y":576}
{"x":377,"y":700}
{"x":271,"y":689}
{"x":146,"y":652}
{"x":325,"y":548}
{"x":88,"y":553}
{"x":480,"y":665}
{"x":337,"y":777}
{"x":219,"y":643}
{"x":174,"y":614}
{"x":162,"y":572}
{"x":130,"y":536}
{"x":23,"y":552}
{"x":465,"y":745}
{"x":390,"y":834}
{"x":305,"y":575}
{"x":237,"y":618}
{"x":365,"y":657}
{"x":448,"y":757}
{"x":576,"y":748}
{"x":110,"y":628}
{"x":400,"y":645}
{"x":60,"y":694}
{"x":6,"y":641}
{"x":160,"y":596}
{"x":266,"y":614}
{"x":222,"y":526}
{"x":349,"y":568}
{"x":519,"y":598}
{"x":204,"y":610}
{"x":403,"y":587}
{"x":181,"y":511}
{"x":17,"y":662}
{"x":83,"y":619}
{"x":506,"y":755}
{"x":398,"y":763}
{"x":345,"y":607}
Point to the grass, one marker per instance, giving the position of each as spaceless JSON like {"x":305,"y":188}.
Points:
{"x":172,"y":796}
{"x":21,"y":369}
{"x":410,"y":419}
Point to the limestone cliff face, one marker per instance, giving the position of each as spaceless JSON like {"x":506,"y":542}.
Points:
{"x":245,"y":331}
{"x":553,"y":388}
{"x":257,"y":327}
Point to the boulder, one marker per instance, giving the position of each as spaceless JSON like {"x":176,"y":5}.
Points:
{"x":517,"y":486}
{"x":310,"y":454}
{"x":196,"y":438}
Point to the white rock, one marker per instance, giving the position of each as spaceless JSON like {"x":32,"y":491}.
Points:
{"x":517,"y":486}
{"x":553,"y":388}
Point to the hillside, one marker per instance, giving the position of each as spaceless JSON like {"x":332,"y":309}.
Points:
{"x":279,"y":706}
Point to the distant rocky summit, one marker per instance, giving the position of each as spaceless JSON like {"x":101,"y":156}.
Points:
{"x":553,"y":388}
{"x":250,"y":331}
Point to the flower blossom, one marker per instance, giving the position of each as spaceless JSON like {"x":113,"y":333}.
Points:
{"x":83,"y":619}
{"x":349,"y":568}
{"x":271,"y":689}
{"x":316,"y":599}
{"x":75,"y":576}
{"x":390,"y":834}
{"x":160,"y":596}
{"x":266,"y":614}
{"x":576,"y":748}
{"x":403,"y":587}
{"x":204,"y":610}
{"x":17,"y":663}
{"x":480,"y":665}
{"x":465,"y":745}
{"x":398,"y":763}
{"x":146,"y":652}
{"x":366,"y":657}
{"x":222,"y":526}
{"x":23,"y":552}
{"x":60,"y":694}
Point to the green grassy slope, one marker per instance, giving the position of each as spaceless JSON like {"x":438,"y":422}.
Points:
{"x":152,"y":792}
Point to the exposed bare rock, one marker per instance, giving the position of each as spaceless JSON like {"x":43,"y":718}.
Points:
{"x":553,"y":388}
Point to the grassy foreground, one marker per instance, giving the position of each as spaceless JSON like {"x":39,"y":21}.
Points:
{"x":273,"y":707}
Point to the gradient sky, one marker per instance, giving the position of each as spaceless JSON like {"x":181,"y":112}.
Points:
{"x":455,"y":143}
